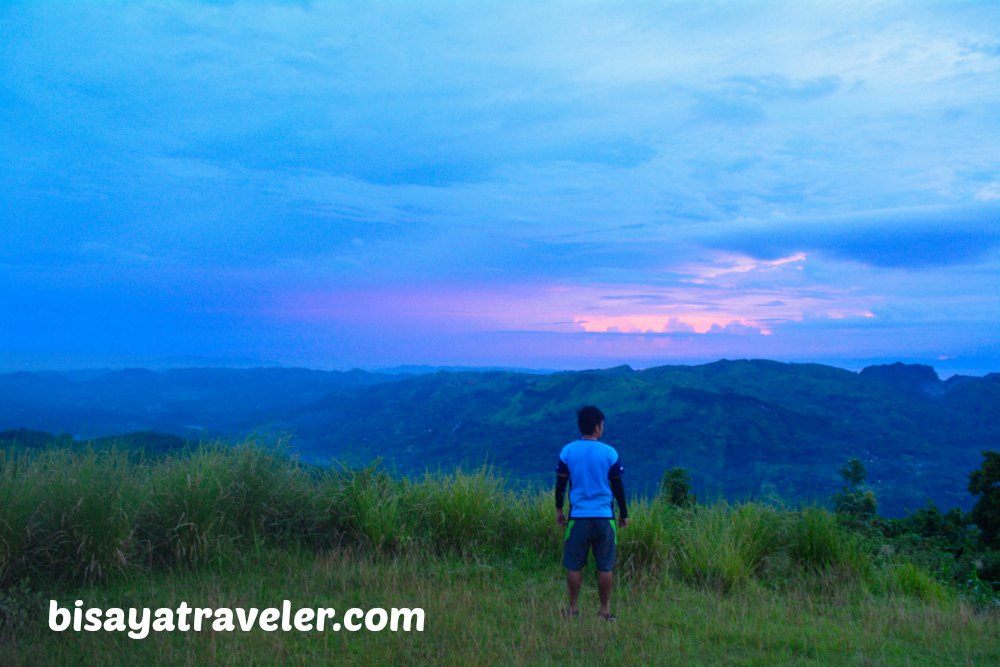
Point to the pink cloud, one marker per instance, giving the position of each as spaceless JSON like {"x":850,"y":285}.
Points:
{"x":735,"y":302}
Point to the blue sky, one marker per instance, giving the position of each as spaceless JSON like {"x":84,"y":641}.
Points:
{"x":549,"y":185}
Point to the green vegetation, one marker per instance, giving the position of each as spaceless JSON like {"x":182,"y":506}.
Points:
{"x":985,"y":483}
{"x":675,"y":488}
{"x":854,"y":500}
{"x":721,"y":584}
{"x":741,"y":429}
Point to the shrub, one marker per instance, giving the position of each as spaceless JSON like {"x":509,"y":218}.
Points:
{"x":675,"y":488}
{"x":985,"y":483}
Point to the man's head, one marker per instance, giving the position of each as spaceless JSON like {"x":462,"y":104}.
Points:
{"x":589,"y":419}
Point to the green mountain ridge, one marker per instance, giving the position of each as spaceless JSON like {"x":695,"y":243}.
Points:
{"x":743,"y":429}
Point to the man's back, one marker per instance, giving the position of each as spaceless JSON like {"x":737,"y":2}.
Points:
{"x":594,"y":474}
{"x":589,"y":464}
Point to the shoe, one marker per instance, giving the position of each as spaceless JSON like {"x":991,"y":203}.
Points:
{"x":610,"y":618}
{"x":567,"y":613}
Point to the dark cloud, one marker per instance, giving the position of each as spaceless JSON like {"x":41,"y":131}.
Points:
{"x":900,"y":239}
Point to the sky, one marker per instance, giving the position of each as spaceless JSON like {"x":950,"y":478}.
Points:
{"x":552,"y":185}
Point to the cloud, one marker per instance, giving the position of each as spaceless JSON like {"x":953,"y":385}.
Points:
{"x":716,"y":109}
{"x":778,"y":87}
{"x":738,"y":329}
{"x":990,"y":192}
{"x":508,"y":166}
{"x":925,"y":237}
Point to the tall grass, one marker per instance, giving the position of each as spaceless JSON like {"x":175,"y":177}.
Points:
{"x":80,"y":516}
{"x":67,"y":515}
{"x":725,"y":547}
{"x":647,"y":547}
{"x":819,"y":544}
{"x":366,"y":507}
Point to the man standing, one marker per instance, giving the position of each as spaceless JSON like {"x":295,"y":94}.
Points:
{"x":594,"y":473}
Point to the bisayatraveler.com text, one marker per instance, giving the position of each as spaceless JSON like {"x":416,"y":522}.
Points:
{"x":139,"y":622}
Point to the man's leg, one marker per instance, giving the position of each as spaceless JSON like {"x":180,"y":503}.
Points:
{"x":574,"y":559}
{"x":605,"y":551}
{"x":573,"y":580}
{"x":604,"y":581}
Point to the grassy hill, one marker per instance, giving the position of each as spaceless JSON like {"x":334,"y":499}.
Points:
{"x":743,"y":584}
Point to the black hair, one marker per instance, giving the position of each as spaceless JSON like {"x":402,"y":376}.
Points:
{"x":588,"y":418}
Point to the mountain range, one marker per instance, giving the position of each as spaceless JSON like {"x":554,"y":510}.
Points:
{"x":742,"y":429}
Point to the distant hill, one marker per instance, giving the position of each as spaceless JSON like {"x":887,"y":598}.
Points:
{"x":741,"y":428}
{"x":193,"y":403}
{"x":147,"y":442}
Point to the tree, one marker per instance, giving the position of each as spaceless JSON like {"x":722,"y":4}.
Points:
{"x":949,"y":531}
{"x":985,"y":483}
{"x":675,"y":488}
{"x":854,"y":500}
{"x":854,"y":474}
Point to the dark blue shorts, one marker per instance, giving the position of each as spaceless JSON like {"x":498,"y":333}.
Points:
{"x":582,"y":535}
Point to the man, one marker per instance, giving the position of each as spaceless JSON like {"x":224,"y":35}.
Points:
{"x":594,"y":474}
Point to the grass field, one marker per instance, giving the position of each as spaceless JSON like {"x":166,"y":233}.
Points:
{"x":509,"y":614}
{"x":742,"y":584}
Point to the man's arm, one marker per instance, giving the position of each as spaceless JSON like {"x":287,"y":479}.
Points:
{"x":618,"y":491}
{"x":562,"y":478}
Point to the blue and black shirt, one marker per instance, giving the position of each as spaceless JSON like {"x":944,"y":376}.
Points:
{"x":594,"y":472}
